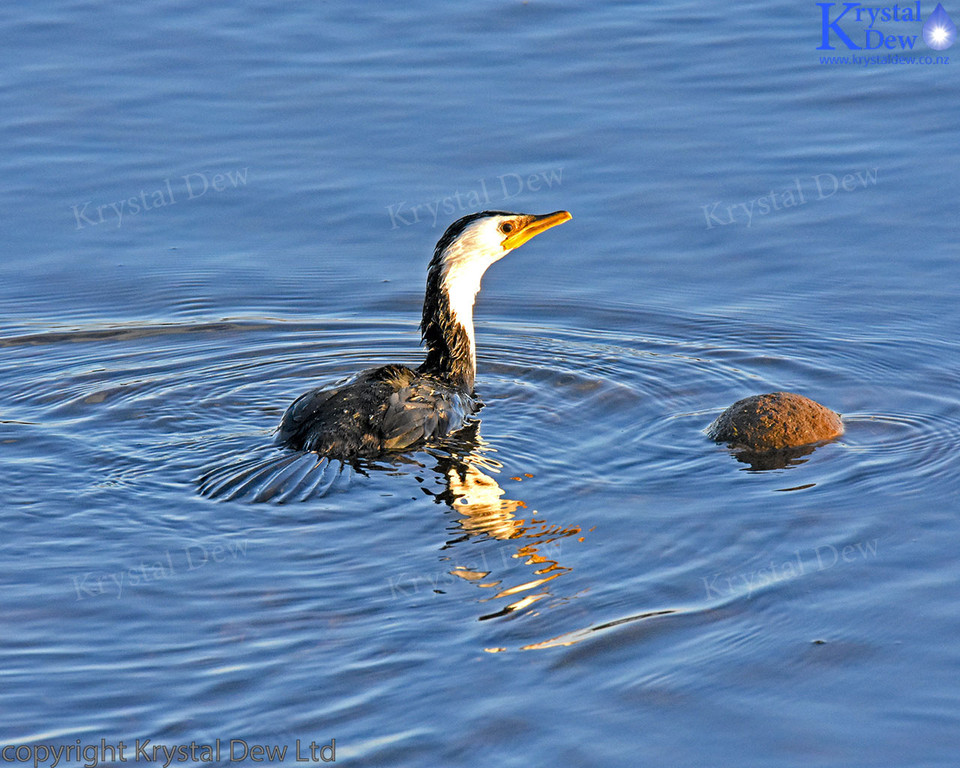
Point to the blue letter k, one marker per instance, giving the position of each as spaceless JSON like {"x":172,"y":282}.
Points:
{"x":828,"y":25}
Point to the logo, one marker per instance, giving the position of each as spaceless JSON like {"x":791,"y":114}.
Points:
{"x":883,"y":28}
{"x":939,"y":31}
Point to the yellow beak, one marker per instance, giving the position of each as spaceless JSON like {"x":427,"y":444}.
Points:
{"x":533,"y":227}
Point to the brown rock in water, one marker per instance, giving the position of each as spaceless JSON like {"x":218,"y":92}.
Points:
{"x":775,"y":421}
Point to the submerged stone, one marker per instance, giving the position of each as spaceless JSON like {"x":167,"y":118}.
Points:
{"x":775,"y":421}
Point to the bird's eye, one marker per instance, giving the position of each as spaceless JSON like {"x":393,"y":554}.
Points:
{"x":507,"y":227}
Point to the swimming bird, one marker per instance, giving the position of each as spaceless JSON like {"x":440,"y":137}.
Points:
{"x":393,"y":407}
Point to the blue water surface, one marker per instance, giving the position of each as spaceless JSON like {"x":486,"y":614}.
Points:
{"x":210,"y":208}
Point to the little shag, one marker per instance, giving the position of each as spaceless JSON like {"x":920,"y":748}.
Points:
{"x":394,"y":408}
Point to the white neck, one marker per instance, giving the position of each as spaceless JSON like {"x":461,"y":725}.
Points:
{"x":465,"y":262}
{"x":461,"y":284}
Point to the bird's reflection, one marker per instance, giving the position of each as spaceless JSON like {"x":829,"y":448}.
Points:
{"x":471,"y":491}
{"x":461,"y":474}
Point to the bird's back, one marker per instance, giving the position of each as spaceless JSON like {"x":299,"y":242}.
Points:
{"x":384,"y":409}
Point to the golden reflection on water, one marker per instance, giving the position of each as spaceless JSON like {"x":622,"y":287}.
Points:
{"x":473,"y":493}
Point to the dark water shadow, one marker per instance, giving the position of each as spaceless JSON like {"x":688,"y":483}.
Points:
{"x":763,"y":461}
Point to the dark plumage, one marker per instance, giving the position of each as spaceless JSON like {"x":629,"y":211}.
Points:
{"x":393,"y":408}
{"x":381,"y":409}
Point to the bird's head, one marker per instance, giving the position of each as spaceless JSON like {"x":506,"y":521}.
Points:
{"x":473,"y":243}
{"x":462,"y":255}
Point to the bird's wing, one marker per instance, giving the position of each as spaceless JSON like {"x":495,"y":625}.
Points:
{"x":345,"y":418}
{"x":304,"y":410}
{"x":420,"y":411}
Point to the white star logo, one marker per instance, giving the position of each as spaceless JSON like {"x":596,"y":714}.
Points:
{"x":938,"y":35}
